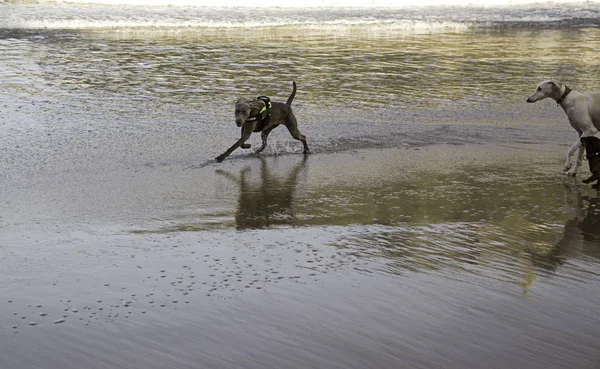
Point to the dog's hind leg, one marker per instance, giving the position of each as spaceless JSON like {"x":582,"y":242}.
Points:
{"x":292,"y":126}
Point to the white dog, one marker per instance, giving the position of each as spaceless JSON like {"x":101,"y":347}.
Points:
{"x":582,"y":109}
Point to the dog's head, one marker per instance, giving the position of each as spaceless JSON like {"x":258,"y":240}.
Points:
{"x":245,"y":110}
{"x":591,"y":144}
{"x":549,"y":88}
{"x":242,"y":112}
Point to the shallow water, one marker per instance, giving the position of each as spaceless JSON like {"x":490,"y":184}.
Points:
{"x":431,"y":226}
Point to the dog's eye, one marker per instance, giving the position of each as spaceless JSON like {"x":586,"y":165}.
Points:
{"x":539,"y":88}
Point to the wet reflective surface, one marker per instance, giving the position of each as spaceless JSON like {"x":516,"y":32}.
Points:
{"x":431,"y":226}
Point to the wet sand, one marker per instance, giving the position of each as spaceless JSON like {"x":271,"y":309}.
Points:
{"x":446,"y":256}
{"x":430,"y":228}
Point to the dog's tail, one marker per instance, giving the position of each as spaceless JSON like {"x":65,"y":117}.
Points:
{"x":291,"y":98}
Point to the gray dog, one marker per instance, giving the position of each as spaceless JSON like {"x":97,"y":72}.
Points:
{"x":262,"y":115}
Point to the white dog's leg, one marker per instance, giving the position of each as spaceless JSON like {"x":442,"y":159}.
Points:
{"x":580,"y":156}
{"x":572,"y":169}
{"x":569,"y":168}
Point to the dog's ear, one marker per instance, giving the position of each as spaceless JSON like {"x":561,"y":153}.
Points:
{"x":239,"y":100}
{"x":256,"y":104}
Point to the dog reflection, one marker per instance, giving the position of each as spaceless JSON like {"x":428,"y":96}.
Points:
{"x":584,"y":227}
{"x":590,"y":225}
{"x":266,"y":203}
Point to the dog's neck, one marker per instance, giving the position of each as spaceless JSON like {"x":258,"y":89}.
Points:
{"x":564,"y":94}
{"x":258,"y":112}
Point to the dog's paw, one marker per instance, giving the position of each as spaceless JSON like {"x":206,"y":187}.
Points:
{"x":586,"y":181}
{"x":246,"y":146}
{"x":567,"y":167}
{"x":219,"y":158}
{"x":572,"y":172}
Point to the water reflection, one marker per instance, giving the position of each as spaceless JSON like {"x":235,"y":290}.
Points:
{"x":581,"y":236}
{"x":507,"y":228}
{"x":586,"y":222}
{"x":268,"y":202}
{"x":550,"y":258}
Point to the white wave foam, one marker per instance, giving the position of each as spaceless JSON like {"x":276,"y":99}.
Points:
{"x":334,"y":26}
{"x":317,"y":3}
{"x":378,"y":17}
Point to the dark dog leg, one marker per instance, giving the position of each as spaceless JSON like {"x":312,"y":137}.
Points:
{"x":264,"y":134}
{"x":591,"y":179}
{"x":292,"y":126}
{"x":244,"y":146}
{"x":246,"y":133}
{"x":596,"y":176}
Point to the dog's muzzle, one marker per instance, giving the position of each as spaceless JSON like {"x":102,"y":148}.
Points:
{"x":239,"y":123}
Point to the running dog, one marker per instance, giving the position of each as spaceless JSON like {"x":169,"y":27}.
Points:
{"x":262,"y":115}
{"x":582,"y":109}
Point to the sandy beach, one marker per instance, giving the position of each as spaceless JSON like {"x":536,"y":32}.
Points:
{"x":236,"y":279}
{"x":430,"y":227}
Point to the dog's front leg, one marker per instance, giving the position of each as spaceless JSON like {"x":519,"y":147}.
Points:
{"x":246,"y":133}
{"x":569,"y":168}
{"x":572,"y":169}
{"x":591,"y":179}
{"x":264,"y":135}
{"x":579,"y":161}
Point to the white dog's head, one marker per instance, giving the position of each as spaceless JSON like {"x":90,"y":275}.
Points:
{"x":550,"y":88}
